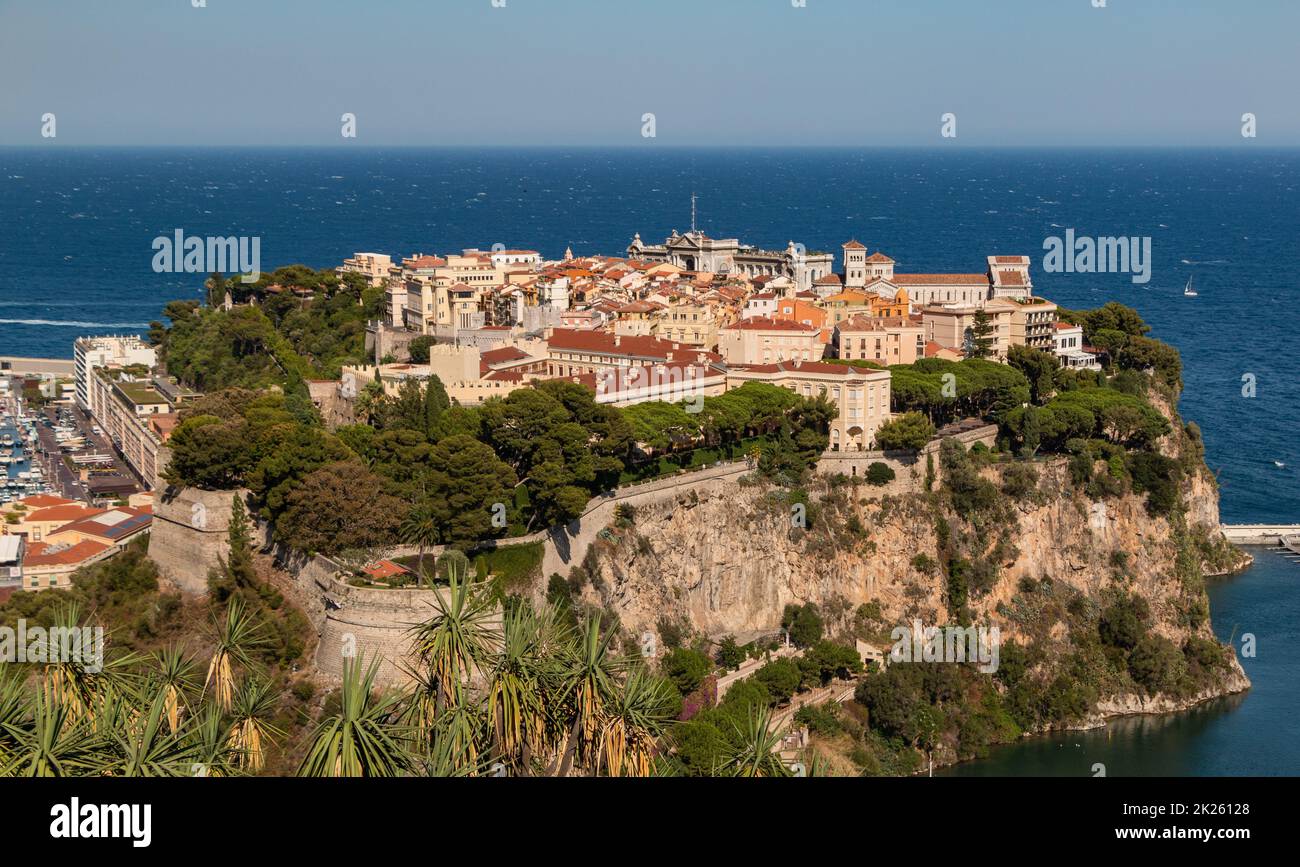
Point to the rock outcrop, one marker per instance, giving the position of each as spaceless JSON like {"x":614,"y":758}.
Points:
{"x":727,"y":563}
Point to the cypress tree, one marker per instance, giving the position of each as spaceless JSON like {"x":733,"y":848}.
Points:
{"x":436,"y":403}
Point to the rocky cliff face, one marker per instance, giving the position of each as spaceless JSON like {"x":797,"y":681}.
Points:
{"x":729,"y":562}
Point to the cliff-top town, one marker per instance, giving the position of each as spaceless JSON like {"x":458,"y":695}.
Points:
{"x":689,"y":318}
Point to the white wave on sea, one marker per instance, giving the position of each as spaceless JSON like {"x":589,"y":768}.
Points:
{"x":66,"y":323}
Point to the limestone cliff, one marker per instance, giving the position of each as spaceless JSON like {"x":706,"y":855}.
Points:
{"x":729,"y":562}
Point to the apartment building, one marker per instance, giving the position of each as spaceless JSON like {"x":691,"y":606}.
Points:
{"x":118,"y":351}
{"x":953,"y":326}
{"x":1033,"y":323}
{"x":572,"y":353}
{"x":690,"y":324}
{"x":137,"y":415}
{"x":760,"y":340}
{"x":375,"y":267}
{"x":885,"y":341}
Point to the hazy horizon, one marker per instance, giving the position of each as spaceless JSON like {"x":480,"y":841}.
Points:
{"x":714,"y":73}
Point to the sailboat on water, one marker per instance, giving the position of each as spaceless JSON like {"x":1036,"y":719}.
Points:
{"x":1189,"y":291}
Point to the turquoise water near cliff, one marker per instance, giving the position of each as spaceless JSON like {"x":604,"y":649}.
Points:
{"x":1253,"y":734}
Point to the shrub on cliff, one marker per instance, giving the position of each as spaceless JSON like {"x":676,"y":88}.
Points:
{"x":879,"y":474}
{"x":1158,"y":477}
{"x":1157,"y":665}
{"x":969,"y":492}
{"x":1020,"y":481}
{"x":1124,"y":623}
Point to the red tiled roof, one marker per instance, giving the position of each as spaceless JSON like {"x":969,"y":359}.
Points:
{"x":879,"y":257}
{"x":116,"y":524}
{"x":860,"y":322}
{"x":42,"y":554}
{"x":855,"y":245}
{"x":764,"y":323}
{"x":500,"y":355}
{"x":45,"y":501}
{"x":63,"y":513}
{"x":604,"y":343}
{"x":932,"y":349}
{"x":1011,"y":278}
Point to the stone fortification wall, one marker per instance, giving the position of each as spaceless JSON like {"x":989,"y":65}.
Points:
{"x":189,"y":535}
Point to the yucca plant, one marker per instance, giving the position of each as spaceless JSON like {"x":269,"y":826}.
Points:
{"x":236,"y":636}
{"x":173,"y":677}
{"x":634,"y":718}
{"x":53,"y":745}
{"x":756,"y":756}
{"x":460,"y":735}
{"x":80,"y":680}
{"x":360,"y":740}
{"x":251,"y":730}
{"x":517,"y":685}
{"x":458,"y":640}
{"x":587,"y":679}
{"x":208,"y":735}
{"x":15,"y":716}
{"x":148,"y":748}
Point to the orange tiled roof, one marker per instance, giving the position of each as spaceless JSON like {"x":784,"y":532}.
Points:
{"x":763,"y":323}
{"x":63,"y":514}
{"x":45,"y":501}
{"x":604,"y":343}
{"x":42,"y":554}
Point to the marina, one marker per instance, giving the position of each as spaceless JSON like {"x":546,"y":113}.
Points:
{"x":24,"y":466}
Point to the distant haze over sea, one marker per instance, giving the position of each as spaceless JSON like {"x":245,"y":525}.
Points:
{"x":76,"y":228}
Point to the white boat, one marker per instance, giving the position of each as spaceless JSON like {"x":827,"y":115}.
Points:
{"x":1189,"y":291}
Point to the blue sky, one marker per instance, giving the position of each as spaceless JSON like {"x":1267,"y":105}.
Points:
{"x":713,"y":72}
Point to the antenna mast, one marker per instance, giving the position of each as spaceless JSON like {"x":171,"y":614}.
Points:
{"x":693,"y":229}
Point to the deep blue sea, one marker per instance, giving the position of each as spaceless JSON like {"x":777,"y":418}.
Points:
{"x":76,"y":228}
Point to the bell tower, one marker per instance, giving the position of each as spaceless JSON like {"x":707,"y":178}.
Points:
{"x":855,"y":265}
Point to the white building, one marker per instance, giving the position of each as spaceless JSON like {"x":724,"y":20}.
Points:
{"x":116,"y":351}
{"x":1067,"y":345}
